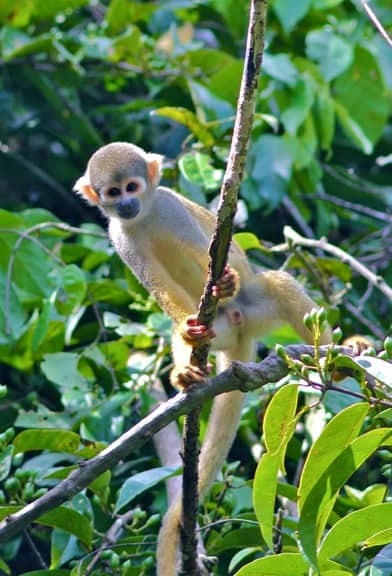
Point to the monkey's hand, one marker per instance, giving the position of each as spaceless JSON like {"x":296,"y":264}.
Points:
{"x":227,"y":286}
{"x":195,"y":334}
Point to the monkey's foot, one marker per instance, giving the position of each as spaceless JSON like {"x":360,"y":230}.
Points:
{"x":185,"y":376}
{"x":228,"y":285}
{"x":195,"y":334}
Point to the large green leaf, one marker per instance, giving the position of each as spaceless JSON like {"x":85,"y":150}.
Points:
{"x":356,"y":528}
{"x":30,"y":265}
{"x":333,"y":54}
{"x":335,"y":437}
{"x":318,"y":505}
{"x":278,"y":428}
{"x":368,"y":114}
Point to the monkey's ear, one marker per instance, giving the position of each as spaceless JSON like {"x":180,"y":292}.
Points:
{"x":84,"y":188}
{"x":154,"y":167}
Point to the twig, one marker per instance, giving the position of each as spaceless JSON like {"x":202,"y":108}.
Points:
{"x":110,"y":538}
{"x":238,"y":376}
{"x":218,"y":253}
{"x":34,"y":550}
{"x":376,"y":22}
{"x":352,"y":207}
{"x":297,"y":216}
{"x":295,"y":239}
{"x":353,"y":181}
{"x":373,"y":328}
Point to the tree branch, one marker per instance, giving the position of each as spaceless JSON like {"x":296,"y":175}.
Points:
{"x":378,"y":281}
{"x":239,"y":376}
{"x":218,"y":252}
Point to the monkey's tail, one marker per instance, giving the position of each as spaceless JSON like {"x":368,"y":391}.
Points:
{"x":169,"y":541}
{"x":219,"y":437}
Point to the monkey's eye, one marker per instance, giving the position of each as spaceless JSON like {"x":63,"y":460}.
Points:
{"x":132,"y":186}
{"x":113,"y":192}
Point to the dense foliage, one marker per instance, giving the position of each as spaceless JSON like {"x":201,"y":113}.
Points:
{"x":81,"y":343}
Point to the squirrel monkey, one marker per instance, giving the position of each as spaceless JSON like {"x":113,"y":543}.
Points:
{"x":164,"y":238}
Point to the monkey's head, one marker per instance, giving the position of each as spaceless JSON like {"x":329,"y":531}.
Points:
{"x":120,"y":179}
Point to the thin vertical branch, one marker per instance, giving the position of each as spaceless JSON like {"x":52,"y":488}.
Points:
{"x":218,"y":253}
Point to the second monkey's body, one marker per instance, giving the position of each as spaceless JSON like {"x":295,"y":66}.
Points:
{"x":164,"y":239}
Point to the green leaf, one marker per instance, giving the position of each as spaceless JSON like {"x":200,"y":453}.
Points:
{"x":303,"y":146}
{"x":6,"y":461}
{"x":338,"y":433}
{"x":318,"y":505}
{"x":8,"y":510}
{"x":61,"y":368}
{"x":377,"y":368}
{"x":278,"y":428}
{"x":225,"y":83}
{"x":196,"y":168}
{"x":15,"y":315}
{"x":247,"y":241}
{"x":333,"y":54}
{"x":367,"y":116}
{"x":52,"y":440}
{"x":70,"y":521}
{"x":31,"y":264}
{"x":269,"y":167}
{"x":281,"y":68}
{"x":72,"y":289}
{"x":121,"y":13}
{"x":300,"y":102}
{"x":324,"y":112}
{"x":16,"y":13}
{"x":264,"y":493}
{"x":241,"y":538}
{"x":190,"y":120}
{"x":279,"y":416}
{"x":352,"y":128}
{"x":289,"y":13}
{"x":108,"y":291}
{"x":355,"y":528}
{"x":140,"y":483}
{"x":289,"y":564}
{"x":42,"y":325}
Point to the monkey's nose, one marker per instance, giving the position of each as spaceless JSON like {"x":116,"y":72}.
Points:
{"x":128,"y":208}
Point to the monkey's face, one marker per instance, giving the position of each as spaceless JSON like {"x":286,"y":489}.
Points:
{"x":123,"y":197}
{"x":121,"y":179}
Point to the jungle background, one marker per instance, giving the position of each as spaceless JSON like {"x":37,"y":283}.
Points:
{"x":81,"y":342}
